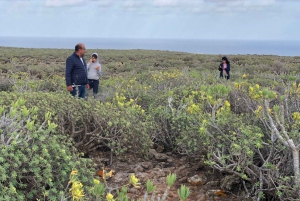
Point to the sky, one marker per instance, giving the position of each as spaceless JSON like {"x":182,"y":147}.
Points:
{"x":173,"y":19}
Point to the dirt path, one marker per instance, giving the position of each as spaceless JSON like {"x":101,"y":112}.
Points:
{"x":204,"y":183}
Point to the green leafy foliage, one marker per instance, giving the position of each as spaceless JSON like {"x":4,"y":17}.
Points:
{"x":171,"y":178}
{"x":32,"y":157}
{"x":183,"y":192}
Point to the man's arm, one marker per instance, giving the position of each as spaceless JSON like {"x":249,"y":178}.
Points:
{"x":68,"y":73}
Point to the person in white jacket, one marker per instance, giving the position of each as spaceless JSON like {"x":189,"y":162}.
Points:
{"x":94,"y":71}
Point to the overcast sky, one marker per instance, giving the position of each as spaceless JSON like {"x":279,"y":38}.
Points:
{"x":186,"y":19}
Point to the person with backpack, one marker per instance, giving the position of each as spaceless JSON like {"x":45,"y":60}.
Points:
{"x":94,"y":69}
{"x":224,"y":68}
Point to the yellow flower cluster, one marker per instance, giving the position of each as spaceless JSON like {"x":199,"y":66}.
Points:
{"x":214,"y":101}
{"x":161,"y":76}
{"x":96,"y":181}
{"x":121,"y":102}
{"x":134,"y":181}
{"x":224,"y":109}
{"x":120,"y":99}
{"x":259,"y":109}
{"x":74,"y":172}
{"x":123,"y":85}
{"x":220,"y":111}
{"x":193,"y":108}
{"x":107,"y":174}
{"x":296,"y":116}
{"x":227,"y":104}
{"x":255,"y":93}
{"x":238,"y":85}
{"x":110,"y":197}
{"x":77,"y":191}
{"x":295,"y":89}
{"x":202,"y":130}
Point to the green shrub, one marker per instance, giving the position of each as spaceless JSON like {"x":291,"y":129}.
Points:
{"x":91,"y":124}
{"x":176,"y":129}
{"x":34,"y":161}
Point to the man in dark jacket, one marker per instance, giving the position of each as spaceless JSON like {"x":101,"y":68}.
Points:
{"x":76,"y":72}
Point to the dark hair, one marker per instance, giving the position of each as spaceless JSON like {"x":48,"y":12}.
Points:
{"x":77,"y":47}
{"x":225,"y":59}
{"x":95,"y":56}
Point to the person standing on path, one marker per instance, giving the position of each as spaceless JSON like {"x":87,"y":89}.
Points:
{"x":94,"y":70}
{"x":224,"y":68}
{"x":76,"y":72}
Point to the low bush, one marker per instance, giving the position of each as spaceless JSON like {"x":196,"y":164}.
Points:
{"x":91,"y":124}
{"x":35,"y":162}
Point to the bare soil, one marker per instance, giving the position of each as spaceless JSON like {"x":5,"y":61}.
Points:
{"x":156,"y":169}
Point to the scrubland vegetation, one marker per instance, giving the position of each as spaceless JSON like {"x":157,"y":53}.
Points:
{"x":247,"y":126}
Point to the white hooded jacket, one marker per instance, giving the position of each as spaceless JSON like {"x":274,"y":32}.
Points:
{"x":93,"y":73}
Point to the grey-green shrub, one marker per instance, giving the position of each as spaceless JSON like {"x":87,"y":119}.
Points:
{"x":34,"y":161}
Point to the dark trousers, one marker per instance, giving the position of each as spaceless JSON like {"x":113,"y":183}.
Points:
{"x":94,"y":84}
{"x":226,"y":76}
{"x":81,"y":91}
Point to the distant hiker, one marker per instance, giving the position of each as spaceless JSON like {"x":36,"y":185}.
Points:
{"x":76,"y":72}
{"x":224,"y":68}
{"x":94,"y":69}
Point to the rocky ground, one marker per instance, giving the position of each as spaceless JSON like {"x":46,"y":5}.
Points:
{"x":204,"y":183}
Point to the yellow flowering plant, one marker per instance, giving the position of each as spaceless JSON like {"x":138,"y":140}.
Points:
{"x":134,"y":181}
{"x":110,"y":197}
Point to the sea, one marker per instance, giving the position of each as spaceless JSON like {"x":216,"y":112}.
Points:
{"x":195,"y":46}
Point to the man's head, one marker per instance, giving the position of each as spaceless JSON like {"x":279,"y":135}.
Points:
{"x":80,"y":49}
{"x":94,"y":58}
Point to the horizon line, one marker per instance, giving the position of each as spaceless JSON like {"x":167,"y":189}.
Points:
{"x":130,"y":38}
